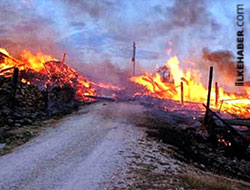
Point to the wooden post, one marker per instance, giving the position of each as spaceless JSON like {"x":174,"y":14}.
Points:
{"x":216,"y":94}
{"x":14,"y":86}
{"x":64,"y":57}
{"x":133,"y":60}
{"x":209,"y":93}
{"x":182,"y":94}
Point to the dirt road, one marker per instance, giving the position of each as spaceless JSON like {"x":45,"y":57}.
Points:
{"x":81,"y":152}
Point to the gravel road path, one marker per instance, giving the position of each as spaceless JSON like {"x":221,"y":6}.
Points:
{"x":80,"y":153}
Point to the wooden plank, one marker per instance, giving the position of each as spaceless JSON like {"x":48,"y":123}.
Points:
{"x":100,"y":98}
{"x":182,"y":93}
{"x":234,"y":142}
{"x":208,"y":95}
{"x":239,"y":122}
{"x":216,"y":94}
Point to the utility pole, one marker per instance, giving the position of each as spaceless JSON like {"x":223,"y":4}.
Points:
{"x":133,"y":59}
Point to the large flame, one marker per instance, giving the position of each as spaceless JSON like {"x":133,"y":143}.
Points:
{"x":45,"y":71}
{"x":194,"y":90}
{"x":35,"y":61}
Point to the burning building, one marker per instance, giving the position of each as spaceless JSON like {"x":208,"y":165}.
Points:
{"x":194,"y":90}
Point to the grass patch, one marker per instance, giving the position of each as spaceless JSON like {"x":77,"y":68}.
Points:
{"x":192,"y":180}
{"x":19,"y":136}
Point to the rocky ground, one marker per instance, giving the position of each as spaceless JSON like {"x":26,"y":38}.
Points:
{"x":30,"y":106}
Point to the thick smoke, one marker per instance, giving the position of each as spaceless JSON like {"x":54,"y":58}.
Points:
{"x":224,"y":62}
{"x":106,"y":72}
{"x":23,"y":28}
{"x":91,"y":31}
{"x":224,"y":65}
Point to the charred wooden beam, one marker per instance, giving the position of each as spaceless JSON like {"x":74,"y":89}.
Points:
{"x":216,"y":94}
{"x":151,"y":80}
{"x":240,"y":122}
{"x":14,"y":86}
{"x":9,"y":57}
{"x":182,"y":93}
{"x":238,"y":140}
{"x":208,"y":95}
{"x":6,"y":69}
{"x":218,"y":117}
{"x":100,"y":98}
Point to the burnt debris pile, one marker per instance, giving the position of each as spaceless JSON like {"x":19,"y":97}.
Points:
{"x":36,"y":87}
{"x":220,"y":146}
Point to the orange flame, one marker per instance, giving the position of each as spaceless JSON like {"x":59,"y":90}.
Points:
{"x":50,"y":72}
{"x":194,"y":90}
{"x":106,"y":86}
{"x":36,"y":61}
{"x":4,"y":51}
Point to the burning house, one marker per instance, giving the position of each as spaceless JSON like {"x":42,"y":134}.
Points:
{"x":108,"y":122}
